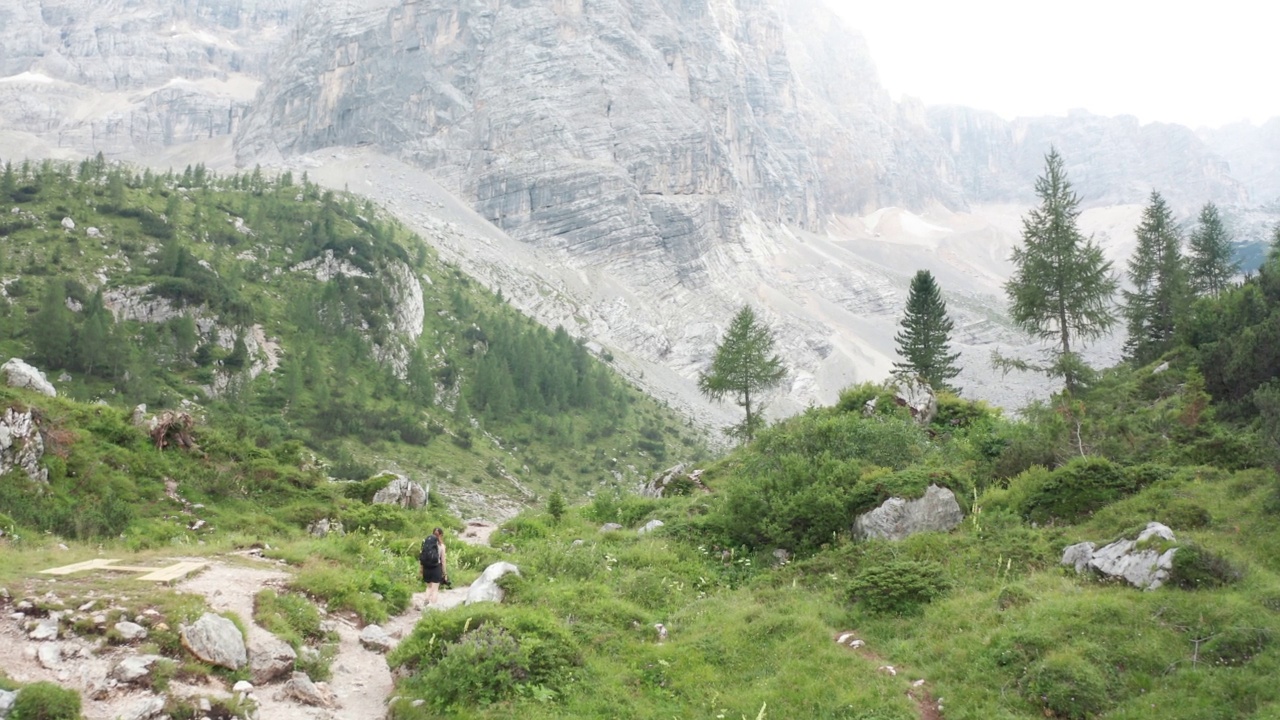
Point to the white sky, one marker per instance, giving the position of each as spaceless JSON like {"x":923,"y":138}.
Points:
{"x":1160,"y":61}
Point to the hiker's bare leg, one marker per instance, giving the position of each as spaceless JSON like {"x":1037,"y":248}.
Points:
{"x":433,"y":593}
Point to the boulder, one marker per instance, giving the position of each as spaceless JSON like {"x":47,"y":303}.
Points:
{"x":269,"y":657}
{"x":674,"y":481}
{"x":242,"y":686}
{"x":139,"y":416}
{"x":898,"y":518}
{"x":130,"y":631}
{"x":374,"y":638}
{"x":132,"y":668}
{"x":485,"y":588}
{"x":301,"y":689}
{"x":145,"y":709}
{"x":68,"y":223}
{"x":650,"y":527}
{"x":21,"y":375}
{"x":324,"y":527}
{"x":916,"y":396}
{"x":7,"y":699}
{"x":403,"y":492}
{"x":217,"y":641}
{"x":1139,"y":564}
{"x":610,"y":527}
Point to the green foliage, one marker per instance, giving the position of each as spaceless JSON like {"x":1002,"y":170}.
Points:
{"x":744,"y":368}
{"x":555,"y":506}
{"x":1196,"y":567}
{"x":898,"y":587}
{"x":46,"y":701}
{"x":1068,"y":686}
{"x":1074,"y":490}
{"x":289,"y":616}
{"x":1061,"y":287}
{"x":925,"y":340}
{"x":1209,"y":262}
{"x":1155,"y":307}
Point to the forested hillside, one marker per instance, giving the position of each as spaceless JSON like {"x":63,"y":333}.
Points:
{"x":296,"y":317}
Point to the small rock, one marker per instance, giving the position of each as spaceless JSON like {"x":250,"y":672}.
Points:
{"x":47,"y":629}
{"x":577,"y":543}
{"x":650,"y":527}
{"x":269,"y":657}
{"x":63,"y":546}
{"x":301,"y":689}
{"x":49,"y":655}
{"x":87,"y":606}
{"x":206,"y":706}
{"x":610,"y":527}
{"x":93,"y":232}
{"x":68,"y":223}
{"x":781,"y":556}
{"x":374,"y":638}
{"x":242,"y":686}
{"x":130,"y":631}
{"x":132,"y":668}
{"x":7,"y":699}
{"x":145,"y":709}
{"x":888,"y":669}
{"x":216,"y":640}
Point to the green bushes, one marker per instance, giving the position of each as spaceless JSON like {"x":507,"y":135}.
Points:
{"x":486,"y":654}
{"x":898,"y":587}
{"x":46,"y":701}
{"x":1196,"y":567}
{"x":1076,"y":489}
{"x":1068,"y":686}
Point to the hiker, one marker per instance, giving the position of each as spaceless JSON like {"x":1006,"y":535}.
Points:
{"x":432,"y":560}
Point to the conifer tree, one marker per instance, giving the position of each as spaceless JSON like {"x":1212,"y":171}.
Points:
{"x":744,"y":368}
{"x":925,"y":340}
{"x":51,"y":328}
{"x":1209,"y":264}
{"x":1062,"y":286}
{"x":1155,"y":306}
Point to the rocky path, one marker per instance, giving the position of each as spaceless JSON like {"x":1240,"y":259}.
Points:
{"x":361,"y":680}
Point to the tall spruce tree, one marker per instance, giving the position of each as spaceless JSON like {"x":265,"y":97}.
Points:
{"x":1062,"y":286}
{"x":51,"y":330}
{"x":1159,"y":297}
{"x":1209,"y":264}
{"x":744,"y":368}
{"x":925,"y":340}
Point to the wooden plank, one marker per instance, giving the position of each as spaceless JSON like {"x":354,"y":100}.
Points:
{"x":95,"y":564}
{"x":173,"y":572}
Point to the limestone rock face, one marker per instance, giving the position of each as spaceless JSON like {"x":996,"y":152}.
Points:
{"x":269,"y":657}
{"x":21,"y":444}
{"x":897,"y":518}
{"x":485,"y":588}
{"x":403,"y":492}
{"x":21,"y":375}
{"x":1145,"y":568}
{"x":217,"y":641}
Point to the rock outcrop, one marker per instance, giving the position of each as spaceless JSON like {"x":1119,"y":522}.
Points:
{"x":21,"y":375}
{"x":1144,"y":562}
{"x":21,"y":444}
{"x":486,"y":588}
{"x":676,"y":480}
{"x":217,"y":641}
{"x":403,"y":492}
{"x":898,"y":518}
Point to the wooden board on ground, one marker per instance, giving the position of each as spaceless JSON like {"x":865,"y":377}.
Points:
{"x":162,"y":574}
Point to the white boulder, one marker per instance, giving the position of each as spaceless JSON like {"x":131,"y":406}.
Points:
{"x":21,"y":375}
{"x":898,"y":518}
{"x":1136,"y":561}
{"x":217,"y":641}
{"x":486,"y":588}
{"x":403,"y":492}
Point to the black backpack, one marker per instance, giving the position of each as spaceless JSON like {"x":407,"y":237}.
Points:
{"x":430,"y":555}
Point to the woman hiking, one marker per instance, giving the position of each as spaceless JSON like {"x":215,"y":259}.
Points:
{"x":432,"y":559}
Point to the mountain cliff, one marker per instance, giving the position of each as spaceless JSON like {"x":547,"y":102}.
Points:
{"x":649,"y":165}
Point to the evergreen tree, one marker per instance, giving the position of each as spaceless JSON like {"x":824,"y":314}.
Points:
{"x":8,"y":181}
{"x":95,"y":342}
{"x":1062,"y":286}
{"x":744,"y":367}
{"x":1209,"y":265}
{"x":925,"y":340}
{"x":1155,"y":306}
{"x":51,"y":327}
{"x":555,"y":506}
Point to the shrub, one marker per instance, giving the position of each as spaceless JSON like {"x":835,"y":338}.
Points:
{"x":483,"y":666}
{"x":46,"y":701}
{"x":1076,"y":489}
{"x":1186,"y":515}
{"x":291,"y":617}
{"x":1196,"y":567}
{"x":366,"y":489}
{"x":899,"y":587}
{"x":1067,"y":686}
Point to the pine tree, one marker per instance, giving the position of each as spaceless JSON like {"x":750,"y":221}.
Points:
{"x":1155,"y":306}
{"x":1062,"y":286}
{"x":744,"y":368}
{"x":51,"y":328}
{"x":1209,"y":264}
{"x":555,"y":506}
{"x":925,"y":340}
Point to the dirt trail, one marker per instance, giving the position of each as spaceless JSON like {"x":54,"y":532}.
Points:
{"x":361,"y":680}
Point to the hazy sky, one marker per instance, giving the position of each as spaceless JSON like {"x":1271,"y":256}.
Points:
{"x":1160,"y":61}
